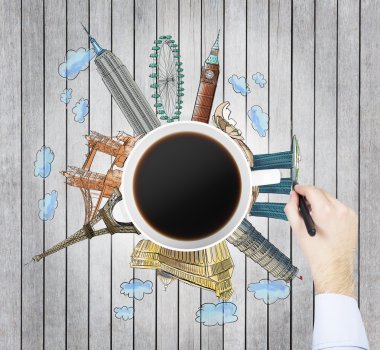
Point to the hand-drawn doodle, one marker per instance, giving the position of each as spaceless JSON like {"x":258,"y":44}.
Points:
{"x":209,"y":268}
{"x":259,"y":120}
{"x":124,"y":313}
{"x":246,"y":238}
{"x":239,"y":85}
{"x":256,"y":247}
{"x":165,"y":277}
{"x":95,"y":186}
{"x":279,"y":160}
{"x":258,"y":78}
{"x":136,"y":288}
{"x":47,"y":206}
{"x":269,"y":291}
{"x":80,"y":110}
{"x":167,"y":75}
{"x":75,"y":62}
{"x":216,"y":314}
{"x":66,"y":96}
{"x":195,"y":269}
{"x":42,"y":164}
{"x":124,"y":90}
{"x":269,"y":210}
{"x":223,"y":121}
{"x":103,"y":223}
{"x":207,"y":85}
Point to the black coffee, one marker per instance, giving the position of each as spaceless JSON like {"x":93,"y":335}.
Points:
{"x":187,"y":186}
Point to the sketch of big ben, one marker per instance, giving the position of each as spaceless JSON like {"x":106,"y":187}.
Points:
{"x":207,"y":86}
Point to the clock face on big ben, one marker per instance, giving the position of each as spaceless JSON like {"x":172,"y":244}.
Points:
{"x":209,"y":74}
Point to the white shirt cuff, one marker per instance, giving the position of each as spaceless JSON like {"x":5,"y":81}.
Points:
{"x":338,"y":323}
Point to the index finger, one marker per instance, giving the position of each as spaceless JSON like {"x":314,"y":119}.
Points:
{"x":314,"y":195}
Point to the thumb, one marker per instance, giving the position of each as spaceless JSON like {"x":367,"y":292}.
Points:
{"x":292,"y":212}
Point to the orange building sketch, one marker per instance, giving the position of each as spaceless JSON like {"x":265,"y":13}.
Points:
{"x":96,"y":186}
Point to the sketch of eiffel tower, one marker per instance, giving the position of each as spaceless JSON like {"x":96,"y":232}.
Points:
{"x":105,"y":216}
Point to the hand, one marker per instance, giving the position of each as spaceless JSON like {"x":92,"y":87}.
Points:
{"x":331,"y":251}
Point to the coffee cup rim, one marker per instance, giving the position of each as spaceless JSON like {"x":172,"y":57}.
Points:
{"x":129,"y":203}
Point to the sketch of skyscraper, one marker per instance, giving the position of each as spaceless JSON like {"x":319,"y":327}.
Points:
{"x":124,"y":90}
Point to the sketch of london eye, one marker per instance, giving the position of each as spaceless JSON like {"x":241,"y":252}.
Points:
{"x":167,"y":75}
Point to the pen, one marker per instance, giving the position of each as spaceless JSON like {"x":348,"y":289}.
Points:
{"x":304,"y":210}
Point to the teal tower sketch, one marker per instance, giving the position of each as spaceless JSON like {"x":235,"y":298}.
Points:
{"x":124,"y":90}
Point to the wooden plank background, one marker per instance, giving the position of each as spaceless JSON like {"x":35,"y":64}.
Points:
{"x":321,"y":60}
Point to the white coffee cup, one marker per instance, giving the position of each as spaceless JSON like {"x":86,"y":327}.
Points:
{"x":247,"y":177}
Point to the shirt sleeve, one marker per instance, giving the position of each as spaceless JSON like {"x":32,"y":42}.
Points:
{"x":338,"y":323}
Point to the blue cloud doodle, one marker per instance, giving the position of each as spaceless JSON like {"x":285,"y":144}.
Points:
{"x":80,"y":110}
{"x":239,"y":85}
{"x":210,"y":314}
{"x":66,"y":96}
{"x":47,"y":206}
{"x":258,"y":78}
{"x":124,"y":313}
{"x":75,"y":62}
{"x":259,"y":120}
{"x":269,"y":291}
{"x":42,"y":164}
{"x":136,"y":288}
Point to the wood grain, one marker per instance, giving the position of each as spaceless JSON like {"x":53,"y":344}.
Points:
{"x":11,"y":172}
{"x":280,"y":140}
{"x":145,"y":336}
{"x":369,"y":169}
{"x":325,"y":95}
{"x":55,"y":138}
{"x":212,"y":21}
{"x":33,"y":229}
{"x":257,"y":61}
{"x":122,"y":44}
{"x":235,"y":63}
{"x":77,"y":289}
{"x":303,"y":127}
{"x":321,"y":62}
{"x":100,"y":249}
{"x":348,"y":118}
{"x":167,"y":300}
{"x":190,"y":32}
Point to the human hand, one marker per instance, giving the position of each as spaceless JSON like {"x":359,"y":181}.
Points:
{"x":331,"y":251}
